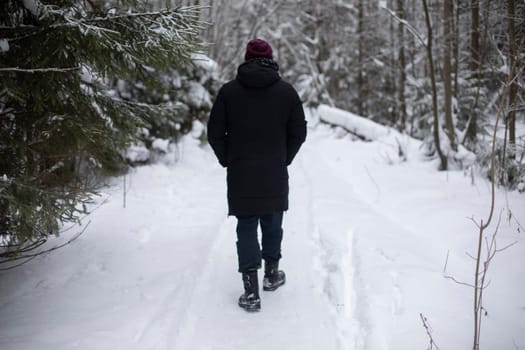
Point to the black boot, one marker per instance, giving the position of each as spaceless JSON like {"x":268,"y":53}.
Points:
{"x":250,"y":300}
{"x":273,"y":277}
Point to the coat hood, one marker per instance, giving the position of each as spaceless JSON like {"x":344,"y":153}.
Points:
{"x":256,"y":75}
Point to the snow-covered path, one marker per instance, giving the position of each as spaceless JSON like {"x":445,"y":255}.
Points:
{"x":292,"y":318}
{"x":364,"y":248}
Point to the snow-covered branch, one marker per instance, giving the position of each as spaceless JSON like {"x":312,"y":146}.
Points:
{"x":39,"y":70}
{"x":410,"y":28}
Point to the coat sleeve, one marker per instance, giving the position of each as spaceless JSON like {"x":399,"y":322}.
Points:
{"x":217,"y":129}
{"x":295,"y":131}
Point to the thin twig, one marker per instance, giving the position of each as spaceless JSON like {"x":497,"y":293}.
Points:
{"x":470,"y":256}
{"x":474,"y":221}
{"x":18,"y":265}
{"x":459,"y":282}
{"x":32,"y":256}
{"x":428,"y":329}
{"x":446,"y":262}
{"x":506,"y":247}
{"x":410,"y":28}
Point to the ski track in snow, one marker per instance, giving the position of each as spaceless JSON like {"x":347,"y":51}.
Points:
{"x":332,"y":262}
{"x":162,"y":273}
{"x":353,"y":217}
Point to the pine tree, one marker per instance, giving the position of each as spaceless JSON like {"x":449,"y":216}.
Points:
{"x":61,"y":127}
{"x":189,"y":90}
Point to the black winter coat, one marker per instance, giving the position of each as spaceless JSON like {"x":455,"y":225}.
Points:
{"x":256,"y":128}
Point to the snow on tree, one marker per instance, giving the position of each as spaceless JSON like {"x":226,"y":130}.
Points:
{"x":61,"y":124}
{"x":369,"y":58}
{"x":188,"y":89}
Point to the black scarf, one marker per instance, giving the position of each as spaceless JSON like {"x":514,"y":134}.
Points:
{"x":265,"y":62}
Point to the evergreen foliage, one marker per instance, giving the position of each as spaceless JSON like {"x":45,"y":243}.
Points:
{"x":187,"y":89}
{"x":61,"y":125}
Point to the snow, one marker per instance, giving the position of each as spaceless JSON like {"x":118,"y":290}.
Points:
{"x":197,"y":129}
{"x":466,"y":157}
{"x":366,"y":241}
{"x":32,"y":6}
{"x":4,"y":45}
{"x":206,"y":63}
{"x":161,"y":145}
{"x":137,"y":153}
{"x":352,"y":123}
{"x":198,"y":96}
{"x":87,"y":75}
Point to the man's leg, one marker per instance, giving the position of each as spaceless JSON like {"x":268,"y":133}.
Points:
{"x":249,"y":255}
{"x":248,"y":250}
{"x":272,"y":235}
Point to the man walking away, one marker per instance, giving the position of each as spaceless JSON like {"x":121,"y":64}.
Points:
{"x":256,"y":128}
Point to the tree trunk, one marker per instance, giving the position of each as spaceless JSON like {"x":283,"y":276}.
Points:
{"x":474,"y":67}
{"x":390,"y":74}
{"x":474,"y":36}
{"x":443,"y":159}
{"x":360,"y":63}
{"x":447,"y":72}
{"x":511,"y":116}
{"x":402,"y":66}
{"x":456,"y":30}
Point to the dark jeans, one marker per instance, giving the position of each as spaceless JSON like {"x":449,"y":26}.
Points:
{"x":248,"y":250}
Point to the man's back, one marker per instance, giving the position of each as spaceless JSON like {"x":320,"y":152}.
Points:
{"x":258,"y":114}
{"x":256,"y":126}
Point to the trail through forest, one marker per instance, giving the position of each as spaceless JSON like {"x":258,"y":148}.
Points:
{"x":365,"y":241}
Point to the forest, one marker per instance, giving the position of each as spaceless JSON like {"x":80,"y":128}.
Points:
{"x":436,"y":70}
{"x":89,"y":88}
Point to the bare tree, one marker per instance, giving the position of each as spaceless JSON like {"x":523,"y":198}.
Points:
{"x":360,"y":58}
{"x":491,"y":249}
{"x":402,"y":66}
{"x":455,"y":48}
{"x":474,"y":36}
{"x":447,"y":71}
{"x":442,"y":157}
{"x":511,"y":116}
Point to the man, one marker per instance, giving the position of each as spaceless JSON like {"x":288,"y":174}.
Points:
{"x":256,"y":128}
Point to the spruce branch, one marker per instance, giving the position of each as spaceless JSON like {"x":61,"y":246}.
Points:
{"x":39,"y":70}
{"x":28,"y":257}
{"x":61,"y":137}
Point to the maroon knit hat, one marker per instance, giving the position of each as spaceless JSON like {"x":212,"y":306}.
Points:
{"x":258,"y":48}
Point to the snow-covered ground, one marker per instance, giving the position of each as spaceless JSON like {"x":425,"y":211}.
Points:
{"x":366,"y":241}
